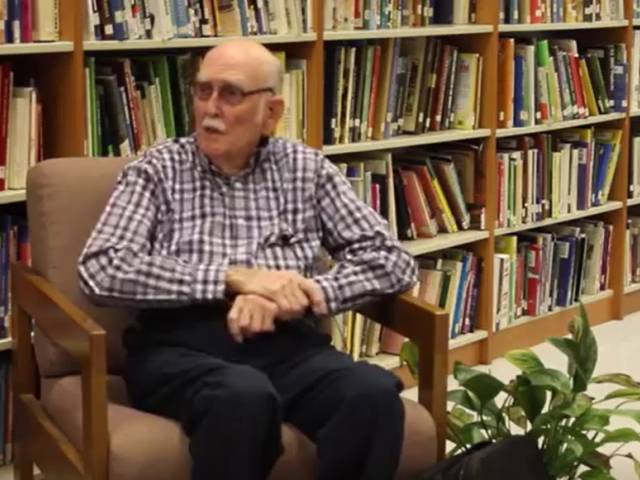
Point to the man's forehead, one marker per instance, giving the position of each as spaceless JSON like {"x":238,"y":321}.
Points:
{"x":226,"y":67}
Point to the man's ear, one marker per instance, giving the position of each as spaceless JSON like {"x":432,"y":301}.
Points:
{"x":275,"y":109}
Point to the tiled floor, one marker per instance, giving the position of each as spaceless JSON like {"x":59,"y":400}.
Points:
{"x":619,"y":351}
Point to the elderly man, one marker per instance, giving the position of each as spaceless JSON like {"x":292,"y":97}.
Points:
{"x":215,"y":238}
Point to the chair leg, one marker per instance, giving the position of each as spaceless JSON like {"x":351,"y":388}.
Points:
{"x":22,"y":465}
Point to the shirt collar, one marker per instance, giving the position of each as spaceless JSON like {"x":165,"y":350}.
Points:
{"x":260,"y":154}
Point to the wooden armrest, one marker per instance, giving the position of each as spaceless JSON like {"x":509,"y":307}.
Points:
{"x":428,"y":328}
{"x":59,"y":319}
{"x":404,"y":314}
{"x":33,"y":297}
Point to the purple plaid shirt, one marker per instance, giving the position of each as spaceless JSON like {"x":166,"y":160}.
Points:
{"x":174,"y":224}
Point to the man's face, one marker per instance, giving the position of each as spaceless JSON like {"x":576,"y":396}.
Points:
{"x":228,"y":122}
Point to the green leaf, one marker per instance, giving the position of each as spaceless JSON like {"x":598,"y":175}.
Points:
{"x":593,"y":420}
{"x":587,"y":347}
{"x":623,"y":412}
{"x":462,"y":416}
{"x":581,"y":403}
{"x":464,"y":399}
{"x":473,"y":433}
{"x":517,"y":416}
{"x":486,"y":387}
{"x":596,"y":474}
{"x":567,"y":460}
{"x":596,"y":459}
{"x":621,"y":379}
{"x":628,"y":393}
{"x":636,"y":464}
{"x":571,"y":349}
{"x":620,"y":435}
{"x":551,"y":379}
{"x":525,"y":360}
{"x":409,"y":355}
{"x":531,"y":399}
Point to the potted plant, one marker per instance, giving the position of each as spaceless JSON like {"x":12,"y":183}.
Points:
{"x":552,"y":407}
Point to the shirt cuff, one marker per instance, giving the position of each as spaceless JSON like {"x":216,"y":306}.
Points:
{"x":209,"y":282}
{"x":331,"y":293}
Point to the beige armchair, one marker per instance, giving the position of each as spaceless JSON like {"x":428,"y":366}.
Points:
{"x":72,"y":414}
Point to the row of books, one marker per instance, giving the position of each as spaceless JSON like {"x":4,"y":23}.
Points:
{"x":24,"y":21}
{"x":632,"y":251}
{"x":134,"y":103}
{"x":20,"y":129}
{"x":634,"y":90}
{"x":634,"y":166}
{"x":14,"y":246}
{"x":421,"y":193}
{"x":449,"y":279}
{"x":549,"y":80}
{"x":165,"y":19}
{"x":549,"y":175}
{"x":378,"y":14}
{"x":560,"y":11}
{"x":538,"y":271}
{"x":6,"y":409}
{"x":382,"y":89}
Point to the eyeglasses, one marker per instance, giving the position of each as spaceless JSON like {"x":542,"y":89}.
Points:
{"x":227,"y":92}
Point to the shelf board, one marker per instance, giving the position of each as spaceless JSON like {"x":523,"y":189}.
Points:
{"x":406,"y":141}
{"x":12,"y":196}
{"x":35,"y":48}
{"x":443,"y":240}
{"x":634,"y":287}
{"x":203,"y":42}
{"x":547,"y":27}
{"x":636,"y":22}
{"x":607,"y":207}
{"x":430,"y":31}
{"x":6,"y":344}
{"x":467,"y":339}
{"x":634,"y":113}
{"x":384,"y":360}
{"x":586,"y":299}
{"x":633,"y":201}
{"x":511,"y":132}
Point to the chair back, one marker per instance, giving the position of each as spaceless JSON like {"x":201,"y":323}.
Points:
{"x":65,"y":198}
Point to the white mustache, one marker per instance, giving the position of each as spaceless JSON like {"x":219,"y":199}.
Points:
{"x":215,"y":123}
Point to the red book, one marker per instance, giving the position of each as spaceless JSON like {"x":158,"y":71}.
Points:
{"x":426,"y":227}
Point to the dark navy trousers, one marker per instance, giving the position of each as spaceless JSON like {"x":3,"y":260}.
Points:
{"x":231,"y":398}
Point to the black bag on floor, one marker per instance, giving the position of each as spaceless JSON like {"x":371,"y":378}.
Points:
{"x":515,"y":457}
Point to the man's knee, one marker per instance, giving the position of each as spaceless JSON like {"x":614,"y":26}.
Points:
{"x":241,"y":391}
{"x":371,"y":390}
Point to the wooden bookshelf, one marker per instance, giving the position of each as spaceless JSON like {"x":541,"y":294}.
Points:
{"x":607,"y":207}
{"x":189,"y":43}
{"x":12,"y":196}
{"x":6,"y":344}
{"x":65,"y":128}
{"x":430,"y":31}
{"x":516,"y":131}
{"x":35,"y":48}
{"x":443,"y":241}
{"x":402,"y":141}
{"x":554,"y":27}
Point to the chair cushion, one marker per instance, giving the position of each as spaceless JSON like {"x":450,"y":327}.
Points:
{"x":65,"y":198}
{"x":143,"y":446}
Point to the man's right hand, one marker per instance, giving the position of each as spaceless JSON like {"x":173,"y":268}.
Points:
{"x":290,"y":291}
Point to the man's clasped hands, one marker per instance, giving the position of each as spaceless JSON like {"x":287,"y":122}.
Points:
{"x":264,"y":296}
